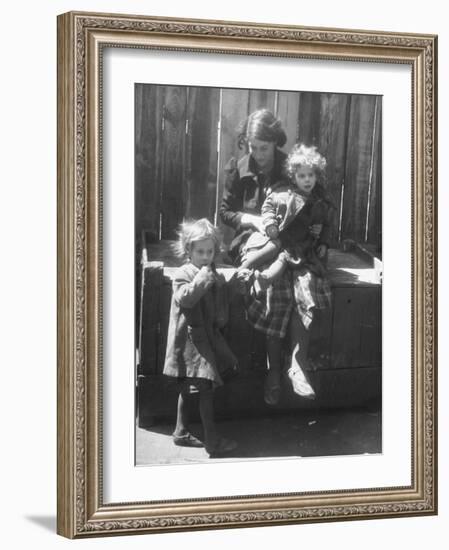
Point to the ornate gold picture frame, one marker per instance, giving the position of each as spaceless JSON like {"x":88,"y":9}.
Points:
{"x":83,"y":39}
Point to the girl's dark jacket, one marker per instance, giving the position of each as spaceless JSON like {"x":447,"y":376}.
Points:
{"x":244,"y":193}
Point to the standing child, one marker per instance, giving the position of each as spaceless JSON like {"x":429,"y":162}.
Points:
{"x":197,"y":354}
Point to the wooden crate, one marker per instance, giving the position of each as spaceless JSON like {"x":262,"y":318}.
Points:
{"x":345,"y":348}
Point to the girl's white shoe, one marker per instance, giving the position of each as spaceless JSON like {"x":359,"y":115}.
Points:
{"x":300,"y":384}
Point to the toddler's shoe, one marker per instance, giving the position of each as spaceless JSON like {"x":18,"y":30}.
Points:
{"x":187,"y":440}
{"x":300,"y":384}
{"x":272,"y":388}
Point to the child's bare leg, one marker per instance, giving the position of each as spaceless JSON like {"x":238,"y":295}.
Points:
{"x":207,"y":417}
{"x":273,"y":380}
{"x":272,"y":273}
{"x":261,"y":256}
{"x":181,"y":435}
{"x":215,"y":444}
{"x":182,"y":416}
{"x":299,"y":338}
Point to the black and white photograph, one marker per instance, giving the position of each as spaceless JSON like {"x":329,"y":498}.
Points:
{"x":246,"y":275}
{"x":223,"y":233}
{"x":258,"y":274}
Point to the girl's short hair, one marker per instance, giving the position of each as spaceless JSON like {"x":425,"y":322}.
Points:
{"x":192,"y":231}
{"x":302,"y":155}
{"x":261,"y":125}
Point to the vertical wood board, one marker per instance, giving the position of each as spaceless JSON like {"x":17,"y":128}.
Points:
{"x":309,"y":118}
{"x":173,"y":160}
{"x":375,"y":210}
{"x":332,"y":144}
{"x":358,"y":165}
{"x":201,"y":158}
{"x":261,"y":99}
{"x":288,"y":113}
{"x":148,"y":114}
{"x":234,"y":110}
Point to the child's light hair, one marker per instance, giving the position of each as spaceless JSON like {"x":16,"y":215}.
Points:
{"x":192,"y":231}
{"x":301,"y":155}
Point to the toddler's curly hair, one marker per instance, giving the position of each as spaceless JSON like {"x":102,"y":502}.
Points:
{"x":192,"y":231}
{"x":302,"y":155}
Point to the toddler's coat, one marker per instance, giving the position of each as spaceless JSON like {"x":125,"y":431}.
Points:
{"x":196,"y":347}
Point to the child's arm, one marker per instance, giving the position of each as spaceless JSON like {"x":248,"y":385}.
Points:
{"x":269,"y":219}
{"x":188,"y":292}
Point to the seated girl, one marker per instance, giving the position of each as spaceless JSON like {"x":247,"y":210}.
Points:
{"x":295,"y":217}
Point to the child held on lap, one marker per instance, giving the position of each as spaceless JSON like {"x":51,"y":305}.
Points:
{"x":295,"y":216}
{"x":197,"y":356}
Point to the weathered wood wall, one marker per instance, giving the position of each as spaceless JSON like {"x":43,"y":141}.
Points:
{"x":186,"y":135}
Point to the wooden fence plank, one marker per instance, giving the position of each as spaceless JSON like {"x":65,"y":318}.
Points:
{"x":147,"y":185}
{"x":201,"y":159}
{"x":176,"y":177}
{"x":261,"y":99}
{"x":148,"y":115}
{"x":234,"y":109}
{"x":288,"y":113}
{"x":332,"y":144}
{"x":375,"y":210}
{"x":173,"y":160}
{"x":358,"y":163}
{"x":309,"y":118}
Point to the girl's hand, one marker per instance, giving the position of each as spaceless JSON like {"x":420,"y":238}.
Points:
{"x":316,"y":229}
{"x":321,"y":251}
{"x":243,"y":274}
{"x":241,"y":278}
{"x":207,"y":276}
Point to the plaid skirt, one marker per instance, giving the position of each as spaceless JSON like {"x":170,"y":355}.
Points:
{"x":310,"y":292}
{"x":270,"y":313}
{"x":300,"y":288}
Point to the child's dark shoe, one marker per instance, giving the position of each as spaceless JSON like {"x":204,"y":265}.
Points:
{"x":187,"y":440}
{"x":272,"y":388}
